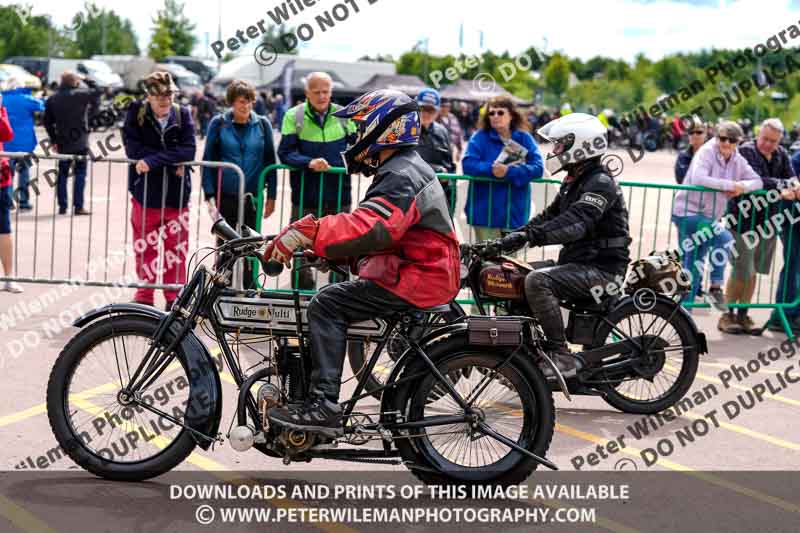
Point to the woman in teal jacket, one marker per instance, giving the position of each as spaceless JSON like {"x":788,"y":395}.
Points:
{"x":503,"y":203}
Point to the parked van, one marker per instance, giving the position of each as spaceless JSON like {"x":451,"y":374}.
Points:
{"x":95,"y":70}
{"x":132,"y":69}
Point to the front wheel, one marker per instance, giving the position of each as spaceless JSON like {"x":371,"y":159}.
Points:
{"x":101,"y":431}
{"x":516,"y":402}
{"x":664,"y":371}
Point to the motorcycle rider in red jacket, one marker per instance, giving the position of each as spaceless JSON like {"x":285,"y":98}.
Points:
{"x":400,"y":241}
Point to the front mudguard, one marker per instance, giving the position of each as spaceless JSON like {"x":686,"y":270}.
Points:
{"x":205,"y":389}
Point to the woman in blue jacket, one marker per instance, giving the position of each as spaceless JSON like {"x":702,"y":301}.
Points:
{"x":494,"y":152}
{"x":21,"y":107}
{"x":243,"y":138}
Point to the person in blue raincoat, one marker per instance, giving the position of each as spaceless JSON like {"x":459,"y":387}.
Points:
{"x":21,"y":106}
{"x":501,"y":149}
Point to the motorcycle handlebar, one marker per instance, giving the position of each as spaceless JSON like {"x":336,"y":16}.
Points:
{"x":224,"y":231}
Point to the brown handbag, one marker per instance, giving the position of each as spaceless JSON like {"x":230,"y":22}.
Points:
{"x":494,"y":330}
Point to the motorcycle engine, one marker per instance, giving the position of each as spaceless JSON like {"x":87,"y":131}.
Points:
{"x":269,"y":395}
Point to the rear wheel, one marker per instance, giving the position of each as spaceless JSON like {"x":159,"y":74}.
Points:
{"x":516,"y":403}
{"x":95,"y":425}
{"x":358,"y":353}
{"x":663,"y":371}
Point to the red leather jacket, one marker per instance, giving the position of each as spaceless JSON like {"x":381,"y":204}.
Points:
{"x":401,"y":235}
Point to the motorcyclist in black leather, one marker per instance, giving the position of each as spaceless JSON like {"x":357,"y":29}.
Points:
{"x":588,"y":217}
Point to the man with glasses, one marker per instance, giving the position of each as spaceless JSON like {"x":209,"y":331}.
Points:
{"x":434,"y":141}
{"x":158,"y":134}
{"x":770,"y":161}
{"x":717,"y":165}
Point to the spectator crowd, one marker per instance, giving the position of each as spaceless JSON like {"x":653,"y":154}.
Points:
{"x":494,"y":143}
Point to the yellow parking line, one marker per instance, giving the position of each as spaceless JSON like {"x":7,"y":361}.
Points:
{"x":712,"y":379}
{"x":750,"y":433}
{"x":84,"y":395}
{"x":22,"y":415}
{"x":727,"y":367}
{"x":671,"y":465}
{"x":159,"y":441}
{"x":22,"y":518}
{"x":218,"y":469}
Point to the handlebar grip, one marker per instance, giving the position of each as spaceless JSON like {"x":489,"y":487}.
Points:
{"x":272,"y":268}
{"x":223,"y":230}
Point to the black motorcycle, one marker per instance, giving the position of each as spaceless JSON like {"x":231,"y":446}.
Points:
{"x":640,"y":351}
{"x":135,"y":391}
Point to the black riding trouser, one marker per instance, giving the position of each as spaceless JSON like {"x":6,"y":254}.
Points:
{"x":546,"y":287}
{"x":330,"y":311}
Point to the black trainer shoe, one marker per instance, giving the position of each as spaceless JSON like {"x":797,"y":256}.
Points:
{"x":319,"y":415}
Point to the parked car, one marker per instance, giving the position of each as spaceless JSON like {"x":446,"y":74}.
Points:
{"x":187,"y":81}
{"x":25,"y":78}
{"x":37,"y":66}
{"x":204,"y":68}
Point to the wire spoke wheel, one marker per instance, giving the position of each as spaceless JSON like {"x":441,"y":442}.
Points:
{"x":510,"y":401}
{"x":662,"y":370}
{"x":99,"y":426}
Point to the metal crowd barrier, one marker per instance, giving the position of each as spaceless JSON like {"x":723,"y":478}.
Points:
{"x":98,"y":249}
{"x":650,"y":207}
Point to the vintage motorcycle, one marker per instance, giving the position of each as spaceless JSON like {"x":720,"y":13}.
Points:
{"x":135,"y":390}
{"x":640,"y":351}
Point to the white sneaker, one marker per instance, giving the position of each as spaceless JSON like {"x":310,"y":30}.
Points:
{"x":12,"y":286}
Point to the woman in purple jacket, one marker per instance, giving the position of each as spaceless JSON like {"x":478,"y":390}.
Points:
{"x":717,"y":165}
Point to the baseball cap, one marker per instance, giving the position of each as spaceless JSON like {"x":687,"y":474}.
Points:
{"x":429,"y":97}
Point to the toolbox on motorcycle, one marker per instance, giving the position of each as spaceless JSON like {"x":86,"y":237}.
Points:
{"x":494,"y":330}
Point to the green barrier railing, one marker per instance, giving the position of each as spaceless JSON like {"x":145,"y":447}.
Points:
{"x":659,"y":190}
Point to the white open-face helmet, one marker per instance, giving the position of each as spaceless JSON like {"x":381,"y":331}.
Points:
{"x":576,"y":137}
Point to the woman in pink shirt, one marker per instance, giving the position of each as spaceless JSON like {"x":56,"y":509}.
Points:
{"x":716,"y":165}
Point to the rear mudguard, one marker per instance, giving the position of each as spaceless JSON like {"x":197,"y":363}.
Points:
{"x":702,"y":345}
{"x":408,"y":357}
{"x":205,"y":390}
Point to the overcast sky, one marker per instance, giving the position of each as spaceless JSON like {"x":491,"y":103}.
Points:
{"x":582,"y":28}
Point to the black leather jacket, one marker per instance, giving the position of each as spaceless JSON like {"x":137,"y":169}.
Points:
{"x":434,"y":148}
{"x":589,"y":218}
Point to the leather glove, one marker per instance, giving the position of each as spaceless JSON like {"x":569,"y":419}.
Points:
{"x":299,"y":234}
{"x":510,"y":243}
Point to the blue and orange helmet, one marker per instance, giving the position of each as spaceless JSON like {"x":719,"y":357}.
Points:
{"x":384,"y":119}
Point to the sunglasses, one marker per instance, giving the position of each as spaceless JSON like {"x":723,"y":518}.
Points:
{"x":498,"y":112}
{"x":697,"y":132}
{"x":724,"y":139}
